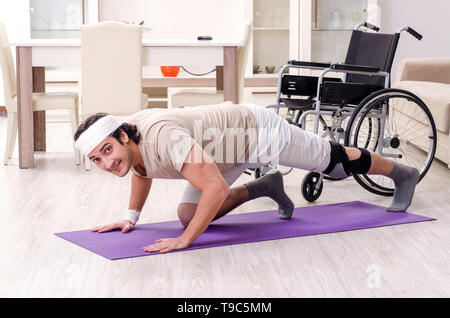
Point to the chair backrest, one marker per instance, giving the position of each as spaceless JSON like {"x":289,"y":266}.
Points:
{"x":371,"y":49}
{"x":111,"y":68}
{"x":8,"y":71}
{"x":243,"y":56}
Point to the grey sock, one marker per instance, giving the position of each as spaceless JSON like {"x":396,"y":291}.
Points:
{"x":271,"y":185}
{"x":405,"y":180}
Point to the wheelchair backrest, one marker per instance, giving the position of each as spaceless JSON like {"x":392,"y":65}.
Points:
{"x":371,"y":49}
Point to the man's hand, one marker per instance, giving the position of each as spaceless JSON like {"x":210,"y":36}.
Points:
{"x":166,"y":245}
{"x":124,"y":225}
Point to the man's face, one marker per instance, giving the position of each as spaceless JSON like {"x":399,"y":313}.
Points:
{"x":112,"y":156}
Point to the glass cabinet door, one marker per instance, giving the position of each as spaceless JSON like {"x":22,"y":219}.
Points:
{"x":270,"y":36}
{"x":61,"y":19}
{"x":332,"y":22}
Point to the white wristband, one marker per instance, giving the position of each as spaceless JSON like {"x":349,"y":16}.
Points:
{"x":132,"y":216}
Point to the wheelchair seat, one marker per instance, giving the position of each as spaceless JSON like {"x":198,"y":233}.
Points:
{"x":298,"y":103}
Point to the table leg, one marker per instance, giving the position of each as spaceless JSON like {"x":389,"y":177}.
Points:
{"x":219,"y":78}
{"x":230,"y":74}
{"x":39,"y":117}
{"x":25,"y":106}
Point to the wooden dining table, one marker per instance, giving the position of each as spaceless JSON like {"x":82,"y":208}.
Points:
{"x":32,"y":56}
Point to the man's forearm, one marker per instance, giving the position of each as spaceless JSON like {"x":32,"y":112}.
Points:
{"x":140,"y":188}
{"x":210,"y":202}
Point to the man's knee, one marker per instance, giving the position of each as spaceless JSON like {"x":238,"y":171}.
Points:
{"x":342,"y":165}
{"x":186,"y":212}
{"x":352,"y":153}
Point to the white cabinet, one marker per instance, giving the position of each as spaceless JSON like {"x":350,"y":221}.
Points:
{"x":61,"y":19}
{"x":275,"y":36}
{"x":326,"y":27}
{"x":275,"y":41}
{"x":305,"y":30}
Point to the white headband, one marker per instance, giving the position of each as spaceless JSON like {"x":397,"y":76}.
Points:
{"x":96,"y":133}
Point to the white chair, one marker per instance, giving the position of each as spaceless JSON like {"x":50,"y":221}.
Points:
{"x":195,"y":97}
{"x":111,"y":70}
{"x":41,"y":101}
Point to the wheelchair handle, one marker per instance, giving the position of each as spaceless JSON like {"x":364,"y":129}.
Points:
{"x":414,"y":33}
{"x":367,"y":25}
{"x":371,"y":26}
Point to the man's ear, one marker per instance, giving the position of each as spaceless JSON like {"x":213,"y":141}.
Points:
{"x":124,"y":137}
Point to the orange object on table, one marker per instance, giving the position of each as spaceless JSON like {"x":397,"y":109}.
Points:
{"x":170,"y":71}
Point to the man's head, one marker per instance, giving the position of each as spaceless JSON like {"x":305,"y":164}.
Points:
{"x":111,"y":145}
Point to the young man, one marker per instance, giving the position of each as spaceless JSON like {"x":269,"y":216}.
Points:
{"x":210,"y":146}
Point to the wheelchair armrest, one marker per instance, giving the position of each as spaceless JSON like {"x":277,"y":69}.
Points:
{"x":357,"y":68}
{"x":312,"y":64}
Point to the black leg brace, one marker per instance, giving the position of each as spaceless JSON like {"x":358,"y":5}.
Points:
{"x":340,"y":167}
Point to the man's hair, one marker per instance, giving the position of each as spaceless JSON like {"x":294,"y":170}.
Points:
{"x":130,"y":130}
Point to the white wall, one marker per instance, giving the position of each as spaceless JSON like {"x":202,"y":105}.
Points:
{"x":15,"y":16}
{"x":179,"y":18}
{"x":429,"y":18}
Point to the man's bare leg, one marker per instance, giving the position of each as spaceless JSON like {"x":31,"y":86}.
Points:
{"x":270,"y":185}
{"x":379,"y":165}
{"x":237,"y":196}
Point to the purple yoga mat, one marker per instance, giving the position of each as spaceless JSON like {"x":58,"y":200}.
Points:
{"x":244,"y":228}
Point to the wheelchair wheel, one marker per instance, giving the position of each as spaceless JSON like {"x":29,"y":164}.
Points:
{"x":309,"y":183}
{"x":258,"y":173}
{"x":397,"y":124}
{"x":261,"y":171}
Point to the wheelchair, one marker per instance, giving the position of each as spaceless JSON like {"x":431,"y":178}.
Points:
{"x":358,"y":109}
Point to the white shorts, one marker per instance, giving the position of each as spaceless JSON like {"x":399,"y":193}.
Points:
{"x":279,"y":143}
